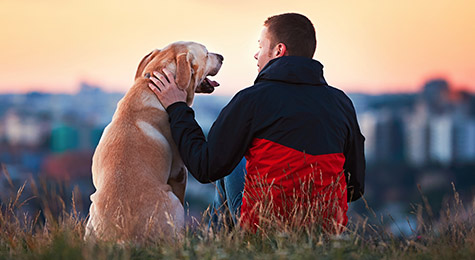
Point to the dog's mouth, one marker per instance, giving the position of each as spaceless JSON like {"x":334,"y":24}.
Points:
{"x":207,"y":86}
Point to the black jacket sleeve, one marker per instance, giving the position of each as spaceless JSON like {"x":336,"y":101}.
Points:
{"x":355,"y":164}
{"x":228,"y":139}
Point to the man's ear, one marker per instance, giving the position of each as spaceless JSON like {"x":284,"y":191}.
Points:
{"x":280,"y":50}
{"x":143,"y":63}
{"x":183,"y":70}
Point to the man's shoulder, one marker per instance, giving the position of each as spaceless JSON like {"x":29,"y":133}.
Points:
{"x":342,"y":98}
{"x":243,"y":96}
{"x":251,"y":91}
{"x":336,"y":91}
{"x":251,"y":97}
{"x":339,"y":93}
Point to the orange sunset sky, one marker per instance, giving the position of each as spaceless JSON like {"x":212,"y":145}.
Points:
{"x":366,"y":45}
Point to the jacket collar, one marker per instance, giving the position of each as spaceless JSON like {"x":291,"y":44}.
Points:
{"x":294,"y":70}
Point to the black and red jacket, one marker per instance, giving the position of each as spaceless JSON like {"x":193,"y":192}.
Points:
{"x":290,"y":125}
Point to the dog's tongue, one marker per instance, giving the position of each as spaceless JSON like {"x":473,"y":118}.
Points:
{"x":212,"y":82}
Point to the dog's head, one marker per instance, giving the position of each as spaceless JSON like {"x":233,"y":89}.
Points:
{"x":190,"y":62}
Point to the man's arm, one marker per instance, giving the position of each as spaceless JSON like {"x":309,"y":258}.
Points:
{"x":355,"y":169}
{"x":228,"y":139}
{"x":355,"y":164}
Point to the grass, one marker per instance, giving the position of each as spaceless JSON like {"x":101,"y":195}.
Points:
{"x":56,"y":232}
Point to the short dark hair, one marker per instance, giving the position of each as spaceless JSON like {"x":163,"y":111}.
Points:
{"x":295,"y":31}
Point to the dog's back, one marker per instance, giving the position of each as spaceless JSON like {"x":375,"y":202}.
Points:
{"x":131,"y":168}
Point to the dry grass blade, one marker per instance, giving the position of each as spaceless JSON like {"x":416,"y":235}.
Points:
{"x":18,"y":195}
{"x":7,"y":175}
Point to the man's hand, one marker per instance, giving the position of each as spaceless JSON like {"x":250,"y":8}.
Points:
{"x":166,"y":89}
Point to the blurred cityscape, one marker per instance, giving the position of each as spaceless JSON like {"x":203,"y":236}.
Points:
{"x":424,"y":139}
{"x":51,"y":138}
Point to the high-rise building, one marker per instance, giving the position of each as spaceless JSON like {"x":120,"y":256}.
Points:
{"x":416,"y":135}
{"x":464,"y":140}
{"x":441,"y":136}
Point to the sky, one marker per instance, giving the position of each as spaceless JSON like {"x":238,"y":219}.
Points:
{"x":367,"y":46}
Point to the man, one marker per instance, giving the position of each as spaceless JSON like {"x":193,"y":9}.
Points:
{"x":300,"y":137}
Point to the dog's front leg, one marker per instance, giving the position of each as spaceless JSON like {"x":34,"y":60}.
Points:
{"x":178,"y":184}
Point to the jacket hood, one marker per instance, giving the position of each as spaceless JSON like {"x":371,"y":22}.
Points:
{"x":294,"y":70}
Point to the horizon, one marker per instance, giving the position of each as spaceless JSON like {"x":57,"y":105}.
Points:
{"x":81,"y":84}
{"x":366,"y":47}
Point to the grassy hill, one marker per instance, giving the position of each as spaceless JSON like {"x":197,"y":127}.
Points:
{"x":56,"y":232}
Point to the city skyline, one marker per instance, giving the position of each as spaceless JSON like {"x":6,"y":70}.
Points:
{"x":365,"y":46}
{"x":435,"y":125}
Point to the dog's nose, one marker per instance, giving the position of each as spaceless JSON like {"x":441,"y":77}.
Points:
{"x":220,"y":57}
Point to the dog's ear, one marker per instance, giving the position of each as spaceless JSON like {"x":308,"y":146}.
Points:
{"x":183,"y":70}
{"x":143,"y":63}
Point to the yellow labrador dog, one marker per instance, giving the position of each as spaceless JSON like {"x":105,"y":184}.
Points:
{"x":138,"y":174}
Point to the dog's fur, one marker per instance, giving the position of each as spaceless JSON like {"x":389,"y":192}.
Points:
{"x":137,"y":171}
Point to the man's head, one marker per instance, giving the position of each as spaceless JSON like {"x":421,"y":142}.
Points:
{"x":287,"y":34}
